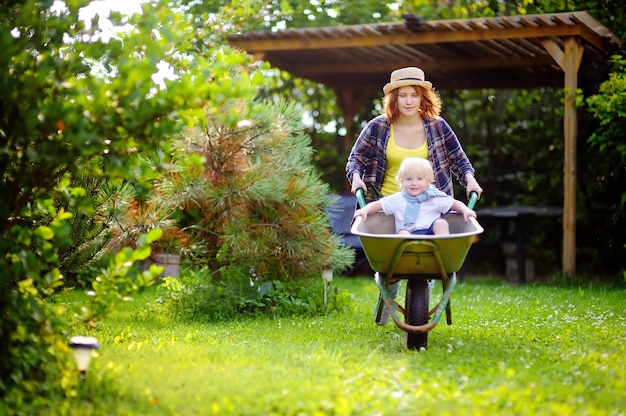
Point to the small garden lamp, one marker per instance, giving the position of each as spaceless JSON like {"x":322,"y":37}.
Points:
{"x":327,"y":277}
{"x":83,"y":348}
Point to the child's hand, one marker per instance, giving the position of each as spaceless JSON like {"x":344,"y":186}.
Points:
{"x":468,"y":213}
{"x":460,"y":207}
{"x":360,"y":213}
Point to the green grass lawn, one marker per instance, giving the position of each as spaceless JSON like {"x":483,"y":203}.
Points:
{"x":512,"y":350}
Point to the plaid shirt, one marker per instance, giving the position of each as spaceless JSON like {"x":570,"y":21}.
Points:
{"x":368,"y":155}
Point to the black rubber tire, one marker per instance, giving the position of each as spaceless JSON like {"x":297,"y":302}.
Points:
{"x":417,"y":305}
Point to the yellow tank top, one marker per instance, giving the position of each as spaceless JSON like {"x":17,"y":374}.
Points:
{"x":395,"y":155}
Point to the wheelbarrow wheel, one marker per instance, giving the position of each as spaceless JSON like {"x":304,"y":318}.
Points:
{"x":417,"y":304}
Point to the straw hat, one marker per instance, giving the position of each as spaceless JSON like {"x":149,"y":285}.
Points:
{"x":406,"y":76}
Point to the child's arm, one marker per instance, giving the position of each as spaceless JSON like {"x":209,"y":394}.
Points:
{"x":460,"y":207}
{"x":370,"y":208}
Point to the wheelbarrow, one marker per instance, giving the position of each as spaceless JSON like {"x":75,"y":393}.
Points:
{"x":418,"y":259}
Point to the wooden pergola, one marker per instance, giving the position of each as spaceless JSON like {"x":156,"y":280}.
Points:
{"x":513,"y":52}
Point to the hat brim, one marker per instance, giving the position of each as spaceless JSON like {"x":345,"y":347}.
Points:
{"x":390,"y":86}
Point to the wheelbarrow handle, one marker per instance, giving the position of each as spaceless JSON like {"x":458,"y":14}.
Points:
{"x":360,"y":197}
{"x":473,"y":199}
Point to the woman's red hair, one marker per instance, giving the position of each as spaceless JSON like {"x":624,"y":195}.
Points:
{"x":429,"y":108}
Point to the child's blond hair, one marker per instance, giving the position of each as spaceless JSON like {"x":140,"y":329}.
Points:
{"x":415,"y":165}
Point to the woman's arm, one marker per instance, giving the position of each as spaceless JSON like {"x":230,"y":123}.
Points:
{"x":460,"y":164}
{"x":450,"y":158}
{"x":367,"y":155}
{"x":359,"y":154}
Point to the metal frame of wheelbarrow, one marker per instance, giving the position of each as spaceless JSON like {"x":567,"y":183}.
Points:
{"x":448,"y":282}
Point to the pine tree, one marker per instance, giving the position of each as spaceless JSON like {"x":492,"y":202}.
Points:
{"x":247,"y":189}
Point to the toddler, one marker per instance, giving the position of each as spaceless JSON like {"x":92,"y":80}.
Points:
{"x":418,"y":207}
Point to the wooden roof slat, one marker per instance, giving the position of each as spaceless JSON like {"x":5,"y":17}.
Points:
{"x":408,"y":52}
{"x":352,"y":31}
{"x":513,"y":47}
{"x":507,"y":22}
{"x":526,"y":47}
{"x":541,"y":20}
{"x":495,"y":48}
{"x":530,"y":21}
{"x":493,"y":24}
{"x":477,"y":25}
{"x":487,"y":49}
{"x":329,"y":32}
{"x":371,"y":31}
{"x":462,"y":26}
{"x":560,"y":19}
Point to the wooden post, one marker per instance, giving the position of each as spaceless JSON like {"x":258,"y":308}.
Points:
{"x":571,"y":62}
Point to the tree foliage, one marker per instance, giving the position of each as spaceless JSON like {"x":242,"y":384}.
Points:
{"x":73,"y":105}
{"x":251,"y":195}
{"x":606,"y":196}
{"x":609,"y":106}
{"x":76,"y":103}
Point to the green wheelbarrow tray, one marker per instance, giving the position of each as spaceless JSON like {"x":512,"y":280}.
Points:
{"x":394,"y":257}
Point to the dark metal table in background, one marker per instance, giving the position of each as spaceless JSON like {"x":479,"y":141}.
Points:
{"x":519,"y":215}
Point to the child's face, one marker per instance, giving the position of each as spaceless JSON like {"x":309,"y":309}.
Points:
{"x":415,"y":183}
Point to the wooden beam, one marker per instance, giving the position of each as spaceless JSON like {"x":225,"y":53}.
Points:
{"x":569,"y":61}
{"x":427,"y":66}
{"x":555,"y":52}
{"x":595,"y":32}
{"x":305,"y":39}
{"x":572,"y":55}
{"x":559,"y":56}
{"x":442,"y":83}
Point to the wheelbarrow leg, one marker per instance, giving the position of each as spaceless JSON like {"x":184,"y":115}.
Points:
{"x":381,"y":313}
{"x":448,"y":306}
{"x":445,"y":282}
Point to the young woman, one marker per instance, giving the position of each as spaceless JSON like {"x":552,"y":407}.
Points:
{"x":410,"y":127}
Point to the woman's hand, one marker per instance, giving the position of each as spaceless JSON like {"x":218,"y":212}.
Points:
{"x":472,"y":186}
{"x":357,"y":183}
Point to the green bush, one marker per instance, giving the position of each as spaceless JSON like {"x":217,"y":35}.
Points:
{"x":193,"y":297}
{"x":248,"y":192}
{"x":74,"y":105}
{"x":608,"y":197}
